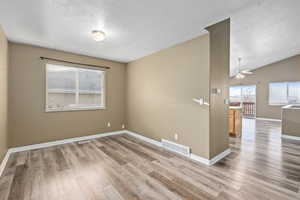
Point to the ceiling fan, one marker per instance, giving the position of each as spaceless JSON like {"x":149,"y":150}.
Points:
{"x":242,"y":73}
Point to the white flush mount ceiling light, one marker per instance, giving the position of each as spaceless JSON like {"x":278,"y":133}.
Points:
{"x":98,"y":35}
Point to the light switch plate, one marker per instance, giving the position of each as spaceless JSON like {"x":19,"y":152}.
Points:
{"x":216,"y":91}
{"x":226,"y":101}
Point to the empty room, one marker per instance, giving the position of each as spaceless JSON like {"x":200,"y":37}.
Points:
{"x":149,"y":100}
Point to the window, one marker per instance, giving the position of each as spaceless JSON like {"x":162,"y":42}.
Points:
{"x":284,"y":93}
{"x":242,"y":93}
{"x":74,"y":88}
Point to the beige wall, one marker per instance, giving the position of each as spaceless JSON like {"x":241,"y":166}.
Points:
{"x":28,"y":122}
{"x":285,"y":70}
{"x":219,"y":35}
{"x":3,"y":94}
{"x":160,"y":89}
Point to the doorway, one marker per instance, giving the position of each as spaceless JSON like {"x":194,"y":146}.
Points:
{"x":244,"y":96}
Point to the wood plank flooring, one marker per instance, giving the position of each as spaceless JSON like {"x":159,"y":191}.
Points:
{"x":261,"y":166}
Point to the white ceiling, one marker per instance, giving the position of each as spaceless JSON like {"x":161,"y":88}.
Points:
{"x":135,"y":28}
{"x":263,"y":31}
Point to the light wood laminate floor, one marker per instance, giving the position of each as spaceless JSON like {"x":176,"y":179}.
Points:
{"x":261,"y":166}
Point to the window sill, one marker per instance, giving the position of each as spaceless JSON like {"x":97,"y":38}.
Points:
{"x":278,"y":104}
{"x":76,"y":109}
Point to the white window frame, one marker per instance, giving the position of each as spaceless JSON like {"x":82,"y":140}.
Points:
{"x":287,"y":93}
{"x":77,"y":108}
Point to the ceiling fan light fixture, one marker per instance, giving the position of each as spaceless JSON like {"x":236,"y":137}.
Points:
{"x":98,"y":35}
{"x":240,"y":76}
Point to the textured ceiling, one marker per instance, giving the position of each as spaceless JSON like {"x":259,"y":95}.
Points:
{"x":265,"y":33}
{"x":135,"y":28}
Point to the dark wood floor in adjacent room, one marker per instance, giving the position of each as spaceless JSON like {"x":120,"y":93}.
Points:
{"x":261,"y":166}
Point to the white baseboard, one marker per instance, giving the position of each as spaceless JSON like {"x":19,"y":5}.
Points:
{"x":157,"y":143}
{"x":213,"y":160}
{"x":191,"y":156}
{"x":4,"y":162}
{"x":77,"y":139}
{"x":268,"y":119}
{"x":290,"y":137}
{"x":65,"y":141}
{"x":199,"y":159}
{"x":219,"y":157}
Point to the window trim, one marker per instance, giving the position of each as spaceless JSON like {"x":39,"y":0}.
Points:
{"x":77,"y":108}
{"x":287,"y":93}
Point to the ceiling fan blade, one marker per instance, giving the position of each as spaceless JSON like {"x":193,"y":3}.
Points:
{"x":246,"y":71}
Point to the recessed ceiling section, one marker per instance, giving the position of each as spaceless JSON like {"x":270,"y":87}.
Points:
{"x":134,"y":29}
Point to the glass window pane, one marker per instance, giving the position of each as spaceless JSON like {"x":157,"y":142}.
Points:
{"x":294,"y":92}
{"x":61,"y":100}
{"x":90,"y":81}
{"x":235,"y":94}
{"x":61,"y":86}
{"x":90,"y":99}
{"x":278,"y":93}
{"x":61,"y":78}
{"x":248,"y":94}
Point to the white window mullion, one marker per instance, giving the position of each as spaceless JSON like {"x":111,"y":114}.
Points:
{"x":77,"y":88}
{"x":287,"y":93}
{"x":103,"y":87}
{"x":241,"y":95}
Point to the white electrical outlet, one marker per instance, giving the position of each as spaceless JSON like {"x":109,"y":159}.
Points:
{"x":123,"y":126}
{"x":176,"y":136}
{"x":108,"y":124}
